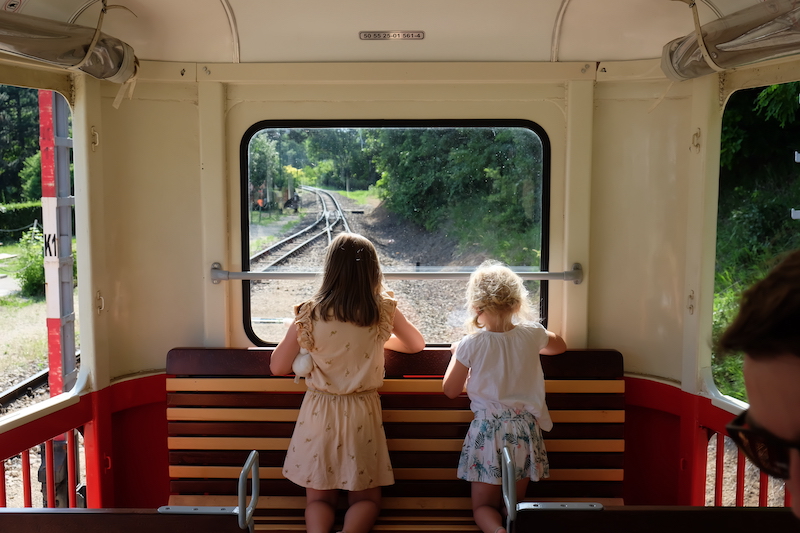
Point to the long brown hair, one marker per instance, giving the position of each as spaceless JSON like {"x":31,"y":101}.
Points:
{"x":351,"y":283}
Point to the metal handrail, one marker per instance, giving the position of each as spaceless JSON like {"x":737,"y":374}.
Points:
{"x":243,"y":512}
{"x":421,"y":273}
{"x":509,"y":485}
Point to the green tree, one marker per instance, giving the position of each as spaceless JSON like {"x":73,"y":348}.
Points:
{"x":31,"y":262}
{"x":345,"y":147}
{"x":264,"y":171}
{"x":31,"y":177}
{"x":19,"y":137}
{"x":759,"y":185}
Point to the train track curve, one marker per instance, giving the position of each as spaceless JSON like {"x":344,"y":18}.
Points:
{"x":331,"y":217}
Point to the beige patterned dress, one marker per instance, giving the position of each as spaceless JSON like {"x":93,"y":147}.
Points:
{"x":338,"y":440}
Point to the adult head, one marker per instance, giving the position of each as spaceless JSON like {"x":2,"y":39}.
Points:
{"x":767,"y":331}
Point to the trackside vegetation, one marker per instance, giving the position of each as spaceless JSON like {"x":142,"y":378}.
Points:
{"x":758,"y":188}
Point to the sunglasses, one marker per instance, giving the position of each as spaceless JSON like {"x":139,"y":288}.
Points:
{"x":768,"y":452}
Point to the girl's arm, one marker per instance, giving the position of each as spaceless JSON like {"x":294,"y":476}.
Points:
{"x":555,"y":345}
{"x":455,"y":376}
{"x":405,"y":337}
{"x":284,"y":353}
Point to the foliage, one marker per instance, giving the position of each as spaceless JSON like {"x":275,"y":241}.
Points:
{"x":362,"y":197}
{"x":759,"y":185}
{"x":31,"y":262}
{"x":759,"y":132}
{"x":484,"y":184}
{"x":779,"y":102}
{"x":297,"y":175}
{"x":344,"y":147}
{"x":318,"y":173}
{"x":16,"y":218}
{"x":19,"y":137}
{"x":430,"y":176}
{"x":264,"y":170}
{"x":31,"y":177}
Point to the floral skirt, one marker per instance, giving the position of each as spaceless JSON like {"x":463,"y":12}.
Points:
{"x":489,"y":432}
{"x":339,"y":443}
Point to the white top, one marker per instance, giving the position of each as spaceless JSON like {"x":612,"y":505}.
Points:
{"x":505,"y":371}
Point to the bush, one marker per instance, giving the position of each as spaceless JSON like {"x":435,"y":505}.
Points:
{"x":31,"y":262}
{"x":16,"y":218}
{"x":31,"y":177}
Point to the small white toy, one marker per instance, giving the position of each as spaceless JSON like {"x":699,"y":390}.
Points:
{"x":302,"y":365}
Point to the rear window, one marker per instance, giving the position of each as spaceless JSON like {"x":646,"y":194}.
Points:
{"x":436,"y":199}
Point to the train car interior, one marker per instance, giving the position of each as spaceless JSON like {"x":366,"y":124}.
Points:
{"x":155,"y":118}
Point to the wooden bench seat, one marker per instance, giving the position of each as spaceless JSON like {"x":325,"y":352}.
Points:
{"x":610,"y":520}
{"x":222,"y":403}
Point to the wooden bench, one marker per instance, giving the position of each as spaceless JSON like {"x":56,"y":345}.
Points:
{"x":32,"y":520}
{"x":651,"y":519}
{"x":222,"y":403}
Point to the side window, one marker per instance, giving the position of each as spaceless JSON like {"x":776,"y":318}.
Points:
{"x":38,"y":341}
{"x":759,"y":199}
{"x":436,"y":199}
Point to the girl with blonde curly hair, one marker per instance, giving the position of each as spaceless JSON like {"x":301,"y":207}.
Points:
{"x":499,"y":362}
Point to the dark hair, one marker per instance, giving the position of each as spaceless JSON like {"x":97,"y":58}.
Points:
{"x":351,"y":284}
{"x":768,"y":323}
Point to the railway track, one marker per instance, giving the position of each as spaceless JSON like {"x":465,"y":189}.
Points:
{"x":25,"y":388}
{"x":331,"y":217}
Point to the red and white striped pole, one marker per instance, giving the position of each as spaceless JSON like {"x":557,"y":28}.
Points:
{"x":57,"y":204}
{"x":47,"y":145}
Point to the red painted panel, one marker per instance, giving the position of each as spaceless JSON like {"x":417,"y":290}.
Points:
{"x":141,"y":467}
{"x":47,"y":143}
{"x":659,"y":447}
{"x":55,"y":376}
{"x":652,"y":446}
{"x":37,"y":431}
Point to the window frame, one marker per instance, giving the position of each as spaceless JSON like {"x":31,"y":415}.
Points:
{"x":244,"y":217}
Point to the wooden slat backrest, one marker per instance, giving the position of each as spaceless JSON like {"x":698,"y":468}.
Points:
{"x":222,"y":403}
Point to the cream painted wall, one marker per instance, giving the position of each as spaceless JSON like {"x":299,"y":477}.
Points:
{"x":638,"y":224}
{"x":468,"y":93}
{"x":152,"y":246}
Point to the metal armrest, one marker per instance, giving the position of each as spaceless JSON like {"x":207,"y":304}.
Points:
{"x":509,"y":489}
{"x":242,"y":511}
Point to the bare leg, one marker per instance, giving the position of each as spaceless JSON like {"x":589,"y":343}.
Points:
{"x":487,"y":501}
{"x":522,"y":488}
{"x":320,"y":510}
{"x":363,"y":510}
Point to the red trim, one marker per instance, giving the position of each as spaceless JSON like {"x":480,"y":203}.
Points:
{"x":667,"y":430}
{"x":49,"y":468}
{"x":47,"y":144}
{"x":27,"y":497}
{"x":720,"y":468}
{"x":37,"y":431}
{"x":2,"y":483}
{"x":55,"y":376}
{"x":116,"y":422}
{"x":763,"y":490}
{"x":72,"y":478}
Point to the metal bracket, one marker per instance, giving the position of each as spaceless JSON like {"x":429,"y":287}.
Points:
{"x":217,"y":274}
{"x":559,"y":506}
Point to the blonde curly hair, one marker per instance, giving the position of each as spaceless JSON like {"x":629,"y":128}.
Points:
{"x":494,"y":288}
